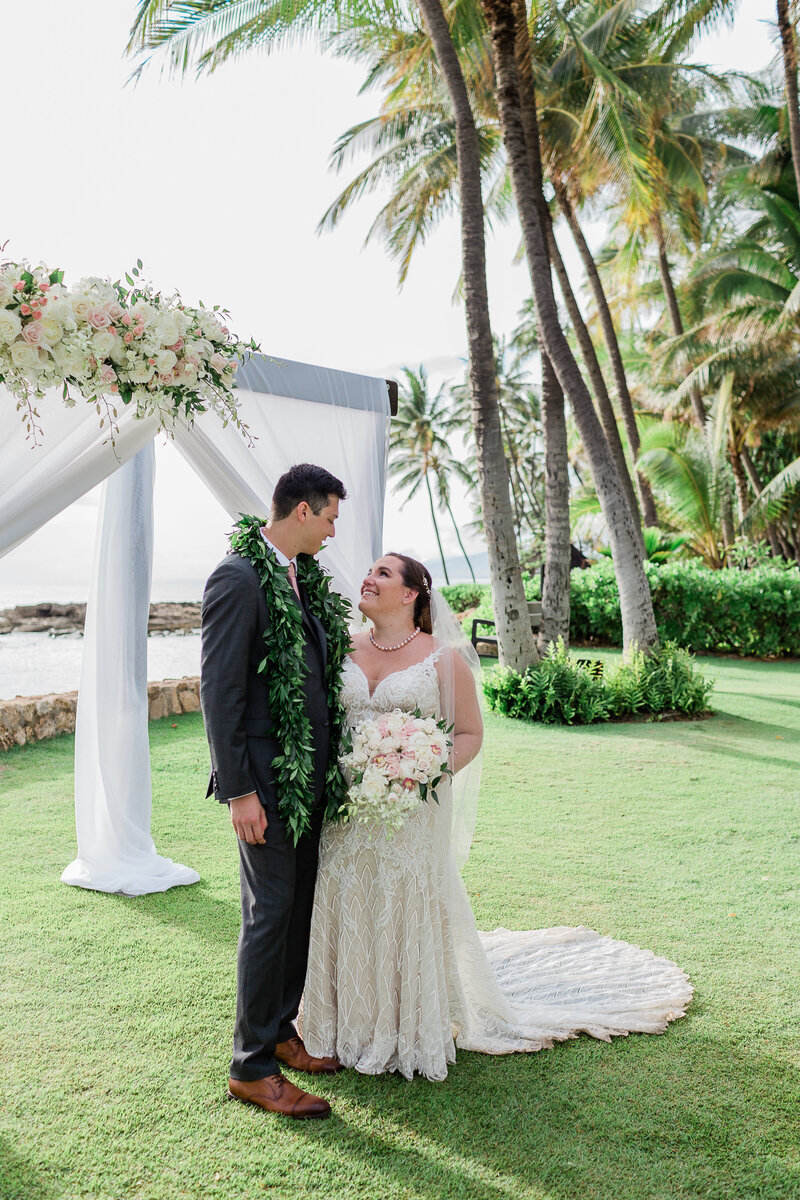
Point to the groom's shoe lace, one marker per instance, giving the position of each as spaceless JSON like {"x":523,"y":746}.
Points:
{"x":293,"y":1053}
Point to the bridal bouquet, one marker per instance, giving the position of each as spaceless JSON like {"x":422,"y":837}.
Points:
{"x":396,"y":762}
{"x":112,"y":343}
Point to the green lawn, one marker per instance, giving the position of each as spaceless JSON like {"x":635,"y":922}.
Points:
{"x":115,"y":1014}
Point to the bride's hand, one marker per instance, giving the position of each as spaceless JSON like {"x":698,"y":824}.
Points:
{"x":249,"y":819}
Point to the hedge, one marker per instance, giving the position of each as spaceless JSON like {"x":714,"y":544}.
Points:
{"x":754,"y":612}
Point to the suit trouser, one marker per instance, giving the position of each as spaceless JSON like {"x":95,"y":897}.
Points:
{"x":277,"y":881}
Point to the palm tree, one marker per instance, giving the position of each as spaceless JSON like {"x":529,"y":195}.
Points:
{"x":687,"y":473}
{"x":523,"y":151}
{"x":419,"y":447}
{"x":206,"y":33}
{"x":787,"y":28}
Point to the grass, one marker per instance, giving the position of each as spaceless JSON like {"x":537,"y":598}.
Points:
{"x":115,"y":1014}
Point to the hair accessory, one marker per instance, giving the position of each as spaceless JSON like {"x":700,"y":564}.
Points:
{"x":427,"y":587}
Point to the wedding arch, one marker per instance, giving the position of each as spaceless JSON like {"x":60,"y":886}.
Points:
{"x":294,"y":412}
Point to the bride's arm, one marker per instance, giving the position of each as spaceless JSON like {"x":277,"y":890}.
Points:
{"x":468,"y":732}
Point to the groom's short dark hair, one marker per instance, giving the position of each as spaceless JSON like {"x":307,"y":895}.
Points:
{"x":305,"y":481}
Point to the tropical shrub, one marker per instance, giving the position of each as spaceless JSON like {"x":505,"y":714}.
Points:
{"x":755,"y":612}
{"x":461,"y":596}
{"x":563,"y":691}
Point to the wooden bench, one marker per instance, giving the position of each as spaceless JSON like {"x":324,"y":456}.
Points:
{"x":534,"y":613}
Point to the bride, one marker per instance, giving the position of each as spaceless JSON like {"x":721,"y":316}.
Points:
{"x":398,"y":974}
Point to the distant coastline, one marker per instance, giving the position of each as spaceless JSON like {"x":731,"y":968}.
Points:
{"x":57,"y":619}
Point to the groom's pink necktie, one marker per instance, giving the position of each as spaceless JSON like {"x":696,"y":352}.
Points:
{"x":293,"y":579}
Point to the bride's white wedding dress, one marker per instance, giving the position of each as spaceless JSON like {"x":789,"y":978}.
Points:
{"x":398,"y":973}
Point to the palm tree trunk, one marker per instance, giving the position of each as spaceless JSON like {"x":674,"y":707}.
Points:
{"x":461,"y":544}
{"x":436,"y":528}
{"x":557,"y":552}
{"x":674,"y":311}
{"x":778,"y":546}
{"x":608,"y":417}
{"x":515,"y":640}
{"x":636,"y":604}
{"x":788,"y":33}
{"x":740,"y":479}
{"x":612,"y":346}
{"x":558,"y":549}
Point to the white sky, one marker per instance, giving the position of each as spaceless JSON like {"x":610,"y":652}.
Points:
{"x":218,"y":185}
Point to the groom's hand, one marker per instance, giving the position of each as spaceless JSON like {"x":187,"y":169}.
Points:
{"x":249,"y":819}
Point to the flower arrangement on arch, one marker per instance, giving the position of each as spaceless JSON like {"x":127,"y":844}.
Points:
{"x":112,"y":345}
{"x":396,"y":762}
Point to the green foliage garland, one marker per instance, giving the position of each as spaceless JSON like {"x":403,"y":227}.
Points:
{"x":284,"y":668}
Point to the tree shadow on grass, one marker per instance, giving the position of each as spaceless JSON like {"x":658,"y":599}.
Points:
{"x":638,"y":1119}
{"x":18,"y":1179}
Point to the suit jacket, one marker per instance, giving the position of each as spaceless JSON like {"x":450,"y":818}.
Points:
{"x":233,"y":695}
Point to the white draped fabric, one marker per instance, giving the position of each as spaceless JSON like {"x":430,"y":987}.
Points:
{"x":294,"y":413}
{"x":112,"y":752}
{"x":75,"y":455}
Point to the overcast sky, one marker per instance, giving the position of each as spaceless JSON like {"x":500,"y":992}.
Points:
{"x":218,"y":185}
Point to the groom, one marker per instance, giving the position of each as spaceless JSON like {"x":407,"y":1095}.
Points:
{"x":241,"y":624}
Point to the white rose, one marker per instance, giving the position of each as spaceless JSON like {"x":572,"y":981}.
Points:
{"x":373,"y":785}
{"x":25,"y":357}
{"x":10,"y":325}
{"x":142,"y":372}
{"x":82,"y":304}
{"x":5,"y":293}
{"x":52,"y":331}
{"x":59,"y":309}
{"x":167,"y":329}
{"x":165,"y":361}
{"x":118,"y":352}
{"x":103,"y":342}
{"x":143,"y":312}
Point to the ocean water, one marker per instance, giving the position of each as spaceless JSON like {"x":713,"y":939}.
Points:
{"x":35,"y":664}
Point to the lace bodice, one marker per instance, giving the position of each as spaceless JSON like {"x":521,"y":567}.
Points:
{"x":414,"y":687}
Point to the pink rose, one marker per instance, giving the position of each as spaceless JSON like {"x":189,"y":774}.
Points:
{"x":32,"y":334}
{"x":19,"y":286}
{"x":98,"y":318}
{"x":44,"y":286}
{"x":25,"y":309}
{"x":128,"y":338}
{"x":108,"y":374}
{"x":127,"y":319}
{"x":115,"y":310}
{"x":409,"y":785}
{"x":176,"y":347}
{"x":392,"y":765}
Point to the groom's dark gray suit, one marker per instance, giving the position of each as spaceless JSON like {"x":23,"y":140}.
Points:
{"x":277,"y":879}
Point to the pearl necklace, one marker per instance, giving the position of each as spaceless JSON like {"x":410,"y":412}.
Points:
{"x":399,"y":645}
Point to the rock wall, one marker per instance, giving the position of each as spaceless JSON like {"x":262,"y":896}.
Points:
{"x":33,"y":718}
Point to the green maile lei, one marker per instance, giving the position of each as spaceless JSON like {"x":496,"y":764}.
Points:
{"x":284,"y":669}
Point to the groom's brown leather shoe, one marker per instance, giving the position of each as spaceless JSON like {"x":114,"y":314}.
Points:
{"x":294,"y":1054}
{"x":276,"y":1094}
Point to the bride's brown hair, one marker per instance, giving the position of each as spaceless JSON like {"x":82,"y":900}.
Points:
{"x":418,"y":578}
